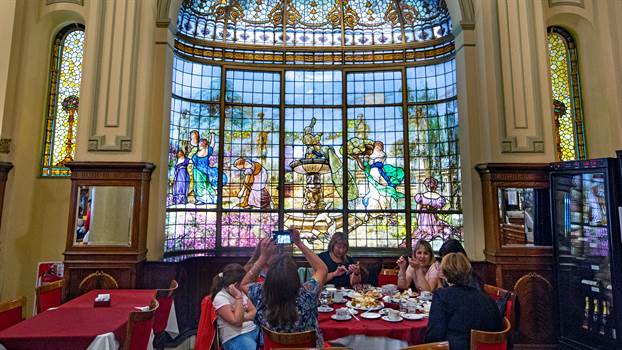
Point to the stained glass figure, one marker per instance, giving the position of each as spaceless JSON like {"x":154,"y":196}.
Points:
{"x":566,"y":89}
{"x":64,"y":91}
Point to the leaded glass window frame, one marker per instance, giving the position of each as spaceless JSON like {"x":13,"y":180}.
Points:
{"x":422,"y":200}
{"x":62,"y":118}
{"x":568,"y":118}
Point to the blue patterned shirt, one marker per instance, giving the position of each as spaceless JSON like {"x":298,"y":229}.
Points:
{"x":306,"y":305}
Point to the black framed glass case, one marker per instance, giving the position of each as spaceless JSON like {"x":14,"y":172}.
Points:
{"x":586,"y":231}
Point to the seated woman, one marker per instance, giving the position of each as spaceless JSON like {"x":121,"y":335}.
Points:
{"x":421,"y":270}
{"x":454,"y":246}
{"x":342,"y":271}
{"x":283,"y":303}
{"x":459,"y":307}
{"x":235,"y":312}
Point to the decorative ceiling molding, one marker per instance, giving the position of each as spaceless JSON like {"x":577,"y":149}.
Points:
{"x":578,"y":3}
{"x":77,"y":2}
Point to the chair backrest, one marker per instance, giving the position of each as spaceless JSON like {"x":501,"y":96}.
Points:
{"x":484,"y":340}
{"x":441,"y":345}
{"x":207,"y":333}
{"x":387,"y":276}
{"x":278,"y":340}
{"x":12,"y":312}
{"x":165,"y":298}
{"x":497,"y":294}
{"x":139,"y":326}
{"x":97,"y":280}
{"x":49,"y":295}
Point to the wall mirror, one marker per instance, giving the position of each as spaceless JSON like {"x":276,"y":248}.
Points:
{"x":521,"y":221}
{"x":104,"y":216}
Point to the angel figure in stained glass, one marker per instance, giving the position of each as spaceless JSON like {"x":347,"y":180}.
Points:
{"x":205,"y":176}
{"x":254,"y":191}
{"x":429,"y":226}
{"x":383,"y":178}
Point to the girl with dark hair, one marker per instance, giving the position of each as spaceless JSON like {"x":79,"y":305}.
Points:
{"x":421,"y":270}
{"x":235,"y":311}
{"x":283,"y":303}
{"x":342,"y":271}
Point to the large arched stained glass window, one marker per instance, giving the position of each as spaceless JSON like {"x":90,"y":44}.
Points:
{"x":566,"y":89}
{"x":63,"y":100}
{"x":329,"y":116}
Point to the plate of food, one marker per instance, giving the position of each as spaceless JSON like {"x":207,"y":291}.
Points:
{"x":365,"y":303}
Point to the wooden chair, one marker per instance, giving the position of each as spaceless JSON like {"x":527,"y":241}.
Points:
{"x":387,"y":276}
{"x":441,"y":345}
{"x":97,"y":280}
{"x":277,"y":340}
{"x":483,"y":340}
{"x":12,"y":312}
{"x":165,"y":299}
{"x":139,"y":327}
{"x":497,"y":293}
{"x":49,"y":295}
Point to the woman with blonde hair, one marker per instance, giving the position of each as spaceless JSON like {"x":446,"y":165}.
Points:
{"x":342,"y":270}
{"x":421,"y":270}
{"x":459,"y":308}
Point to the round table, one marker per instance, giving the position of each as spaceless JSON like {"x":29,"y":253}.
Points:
{"x":391,"y":334}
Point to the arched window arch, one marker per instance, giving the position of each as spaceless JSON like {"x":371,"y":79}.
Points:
{"x":63,"y":100}
{"x":566,"y":90}
{"x":325,"y":116}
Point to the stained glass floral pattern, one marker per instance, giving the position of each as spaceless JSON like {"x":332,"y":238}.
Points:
{"x":566,"y":91}
{"x":64,"y":91}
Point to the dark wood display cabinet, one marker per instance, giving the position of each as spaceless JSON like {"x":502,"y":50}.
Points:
{"x":106,"y":235}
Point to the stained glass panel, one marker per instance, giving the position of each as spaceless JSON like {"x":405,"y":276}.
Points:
{"x":290,"y":139}
{"x":251,"y":161}
{"x":64,"y":90}
{"x":568,"y":112}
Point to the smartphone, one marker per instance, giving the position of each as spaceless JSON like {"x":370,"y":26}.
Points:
{"x":282,"y":237}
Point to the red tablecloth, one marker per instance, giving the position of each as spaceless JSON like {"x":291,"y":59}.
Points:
{"x":412,"y":332}
{"x":75,"y":324}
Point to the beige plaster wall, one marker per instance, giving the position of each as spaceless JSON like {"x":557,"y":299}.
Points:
{"x":35,"y":209}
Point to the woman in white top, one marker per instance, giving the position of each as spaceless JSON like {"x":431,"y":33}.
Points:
{"x":422,"y":269}
{"x":235,"y":311}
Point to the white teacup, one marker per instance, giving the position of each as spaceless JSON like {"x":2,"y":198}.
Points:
{"x":338,"y":296}
{"x":425,"y":295}
{"x":411,"y":306}
{"x":393,"y":314}
{"x":331,"y":292}
{"x":342,"y":312}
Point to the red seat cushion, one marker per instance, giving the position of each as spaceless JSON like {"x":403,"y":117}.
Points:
{"x":161,"y":314}
{"x":10,"y":317}
{"x":386,"y":279}
{"x":50,"y":299}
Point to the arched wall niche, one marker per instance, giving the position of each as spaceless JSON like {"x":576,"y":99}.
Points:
{"x":463,"y":20}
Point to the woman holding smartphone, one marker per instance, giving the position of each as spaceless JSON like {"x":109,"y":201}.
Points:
{"x":283,"y":303}
{"x":342,"y":271}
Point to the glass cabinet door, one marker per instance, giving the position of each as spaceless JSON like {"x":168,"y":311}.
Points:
{"x":581,"y":231}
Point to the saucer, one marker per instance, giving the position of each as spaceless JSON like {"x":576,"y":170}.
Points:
{"x":371,"y":315}
{"x":342,"y":301}
{"x":336,"y":318}
{"x":384,"y":311}
{"x":386,"y":318}
{"x":324,"y":309}
{"x":412,"y":316}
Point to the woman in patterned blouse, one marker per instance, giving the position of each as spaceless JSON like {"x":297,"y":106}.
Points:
{"x":283,"y":303}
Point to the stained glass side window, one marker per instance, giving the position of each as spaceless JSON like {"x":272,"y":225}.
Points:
{"x":193,"y":180}
{"x":434,"y":154}
{"x":64,"y":97}
{"x":566,"y":90}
